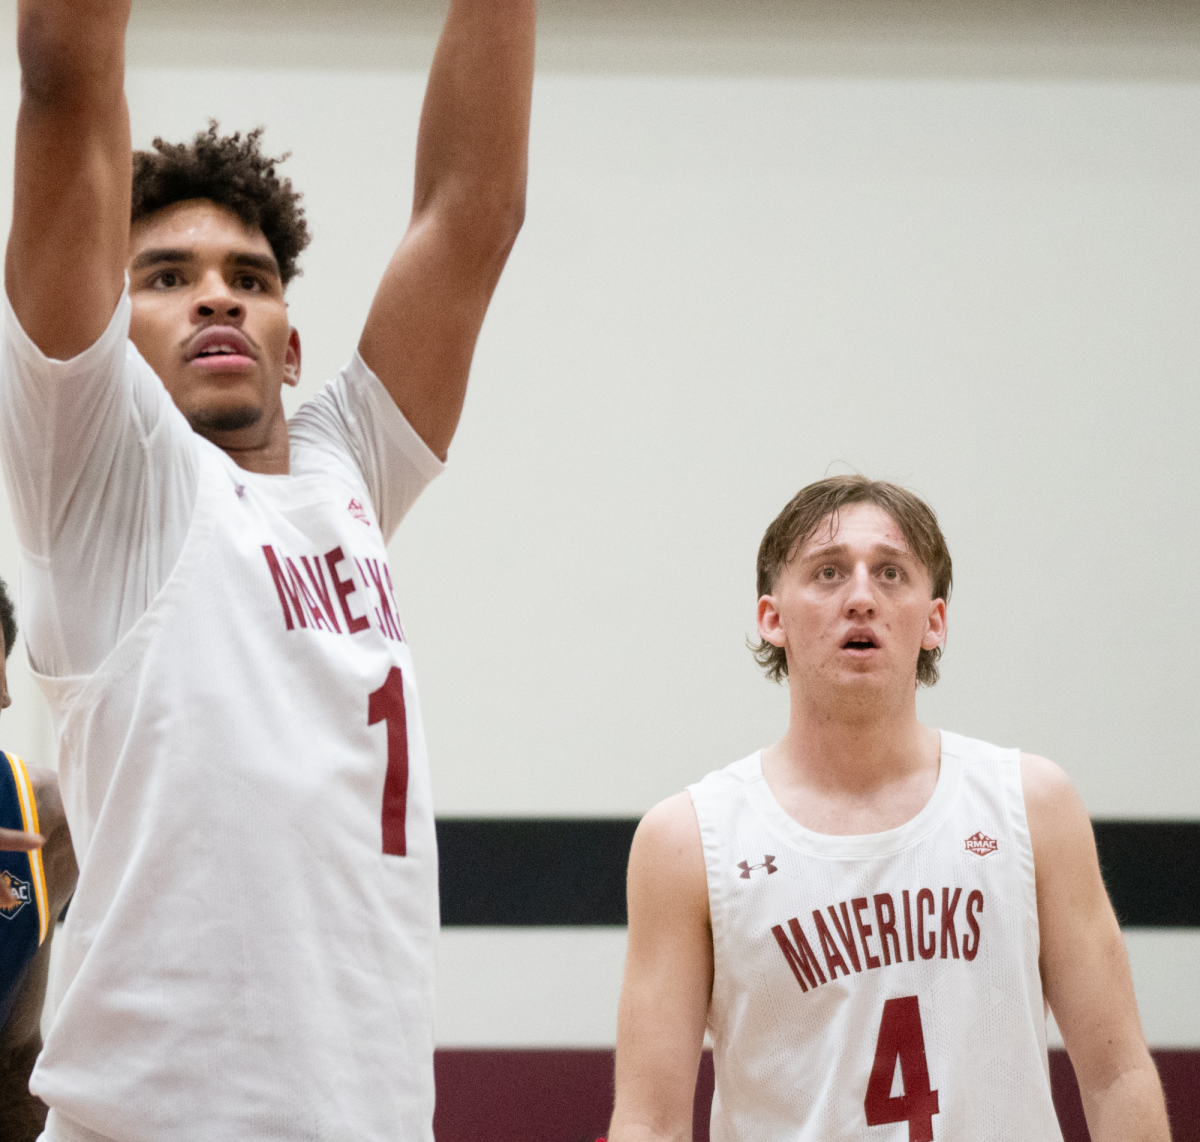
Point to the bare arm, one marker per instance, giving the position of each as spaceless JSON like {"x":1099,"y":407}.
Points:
{"x":70,"y":233}
{"x":22,"y":1114}
{"x":668,"y":978}
{"x":468,"y":205}
{"x":1085,"y":972}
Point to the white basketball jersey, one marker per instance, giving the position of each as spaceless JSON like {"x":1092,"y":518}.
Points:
{"x":250,"y":951}
{"x":879,"y":988}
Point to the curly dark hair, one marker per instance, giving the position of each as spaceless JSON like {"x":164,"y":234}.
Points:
{"x":800,"y":520}
{"x":8,"y":619}
{"x":231,"y":171}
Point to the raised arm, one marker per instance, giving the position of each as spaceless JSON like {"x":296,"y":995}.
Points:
{"x":468,"y":205}
{"x":1085,"y":972}
{"x":667,"y":988}
{"x":70,"y":234}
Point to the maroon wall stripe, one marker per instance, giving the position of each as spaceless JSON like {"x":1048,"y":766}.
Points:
{"x":566,"y":1096}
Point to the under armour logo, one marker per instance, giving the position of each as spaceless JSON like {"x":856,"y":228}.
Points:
{"x":240,"y":489}
{"x":747,"y":868}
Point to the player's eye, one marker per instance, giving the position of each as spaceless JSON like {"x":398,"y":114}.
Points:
{"x":827,"y":573}
{"x":249,"y":282}
{"x":891,"y":574}
{"x":166,"y":279}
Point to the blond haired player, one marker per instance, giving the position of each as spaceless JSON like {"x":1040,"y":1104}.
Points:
{"x":870,"y":916}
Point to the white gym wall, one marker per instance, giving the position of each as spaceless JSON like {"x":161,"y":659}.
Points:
{"x":952,"y":245}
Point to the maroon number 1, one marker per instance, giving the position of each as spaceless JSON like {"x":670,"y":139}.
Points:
{"x":387,"y":705}
{"x":901,"y":1038}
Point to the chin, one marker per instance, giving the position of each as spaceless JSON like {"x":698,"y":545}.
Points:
{"x":218,"y":420}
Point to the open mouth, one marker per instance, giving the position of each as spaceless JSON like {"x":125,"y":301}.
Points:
{"x":217,"y":347}
{"x":219,"y":351}
{"x":861,"y":642}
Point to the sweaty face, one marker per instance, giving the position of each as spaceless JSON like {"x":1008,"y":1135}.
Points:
{"x":210,"y":319}
{"x":853,"y":607}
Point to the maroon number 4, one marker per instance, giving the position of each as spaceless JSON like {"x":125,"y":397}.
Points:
{"x":387,"y":705}
{"x":900,"y":1037}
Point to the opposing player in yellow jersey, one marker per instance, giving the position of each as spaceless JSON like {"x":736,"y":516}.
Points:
{"x":870,"y":916}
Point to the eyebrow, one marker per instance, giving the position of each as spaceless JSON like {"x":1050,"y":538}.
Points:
{"x":836,"y":549}
{"x":157,"y":257}
{"x":177,"y":254}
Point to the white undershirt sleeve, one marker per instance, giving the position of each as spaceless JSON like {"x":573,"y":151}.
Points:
{"x":355,"y":418}
{"x":101,"y":470}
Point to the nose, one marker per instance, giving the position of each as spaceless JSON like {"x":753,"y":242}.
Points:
{"x":214,"y":299}
{"x":861,"y":599}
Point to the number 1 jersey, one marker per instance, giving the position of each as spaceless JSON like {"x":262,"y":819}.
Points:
{"x":879,"y":988}
{"x":250,"y":950}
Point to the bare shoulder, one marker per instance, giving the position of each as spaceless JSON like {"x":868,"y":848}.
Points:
{"x":671,"y":823}
{"x":45,"y":790}
{"x":666,"y":863}
{"x":1053,"y":807}
{"x":1066,"y":866}
{"x":1045,"y":782}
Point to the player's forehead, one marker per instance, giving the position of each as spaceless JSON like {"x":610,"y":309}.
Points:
{"x":861,"y":527}
{"x":198,"y":226}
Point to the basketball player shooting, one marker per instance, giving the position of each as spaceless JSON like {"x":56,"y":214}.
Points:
{"x":207,"y":601}
{"x":870,"y":916}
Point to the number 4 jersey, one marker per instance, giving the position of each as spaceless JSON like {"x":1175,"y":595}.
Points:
{"x":879,"y":988}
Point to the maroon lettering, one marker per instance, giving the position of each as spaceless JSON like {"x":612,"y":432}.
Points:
{"x":949,"y":906}
{"x":887,"y":928}
{"x":800,"y":958}
{"x":286,"y":591}
{"x":318,"y":620}
{"x":908,"y":940}
{"x":387,"y":620}
{"x":387,"y":705}
{"x":974,"y":904}
{"x":391,"y":591}
{"x":316,"y":576}
{"x":859,"y":903}
{"x":344,"y":588}
{"x":925,"y":898}
{"x":846,"y":934}
{"x":901,"y":1043}
{"x":833,"y":958}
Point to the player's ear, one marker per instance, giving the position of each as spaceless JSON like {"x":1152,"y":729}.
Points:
{"x":769,"y":627}
{"x":291,"y":361}
{"x":935,"y":626}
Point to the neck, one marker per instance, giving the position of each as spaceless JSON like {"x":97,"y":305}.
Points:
{"x":264,"y":449}
{"x":853,"y":746}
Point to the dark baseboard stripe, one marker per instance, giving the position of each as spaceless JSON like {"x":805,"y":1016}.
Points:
{"x":566,"y":1096}
{"x":1152,"y":869}
{"x":533,"y":872}
{"x":527,"y":872}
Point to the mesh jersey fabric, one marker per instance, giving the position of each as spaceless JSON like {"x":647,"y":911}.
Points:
{"x":249,"y":951}
{"x":24,"y":920}
{"x":877,"y":988}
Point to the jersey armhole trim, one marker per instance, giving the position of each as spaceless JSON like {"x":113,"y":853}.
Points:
{"x":29,"y":819}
